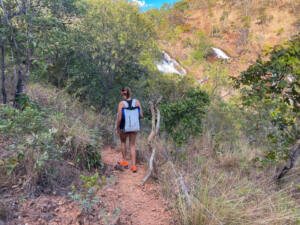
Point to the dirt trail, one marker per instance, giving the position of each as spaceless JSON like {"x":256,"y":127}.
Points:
{"x":141,"y":205}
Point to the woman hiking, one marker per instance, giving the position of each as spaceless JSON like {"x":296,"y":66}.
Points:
{"x":128,"y":125}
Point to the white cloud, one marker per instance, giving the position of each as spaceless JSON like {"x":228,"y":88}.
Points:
{"x":140,"y":4}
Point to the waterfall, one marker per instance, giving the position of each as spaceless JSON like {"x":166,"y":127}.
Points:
{"x":169,"y":65}
{"x":220,"y":54}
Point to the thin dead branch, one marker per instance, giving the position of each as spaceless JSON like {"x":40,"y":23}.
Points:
{"x":152,"y":134}
{"x":188,"y":197}
{"x":150,"y":167}
{"x":158,"y":116}
{"x":182,"y":184}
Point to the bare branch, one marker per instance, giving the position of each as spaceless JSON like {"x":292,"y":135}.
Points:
{"x":185,"y":191}
{"x":295,"y":152}
{"x":152,"y":134}
{"x":157,"y":122}
{"x":158,"y":115}
{"x":150,"y":167}
{"x":188,"y":198}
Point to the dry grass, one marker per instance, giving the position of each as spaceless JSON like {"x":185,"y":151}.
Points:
{"x":72,"y":118}
{"x":230,"y":187}
{"x":226,"y":183}
{"x":79,"y":134}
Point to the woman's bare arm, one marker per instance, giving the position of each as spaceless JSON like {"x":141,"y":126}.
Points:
{"x":141,"y":111}
{"x":119,"y":115}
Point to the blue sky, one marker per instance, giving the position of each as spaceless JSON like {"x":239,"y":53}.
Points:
{"x":149,"y":4}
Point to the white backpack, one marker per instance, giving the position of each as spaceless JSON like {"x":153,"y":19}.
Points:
{"x":131,"y":116}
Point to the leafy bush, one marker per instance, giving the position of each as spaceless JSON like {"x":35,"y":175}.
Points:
{"x":183,"y":119}
{"x":20,"y":122}
{"x":41,"y":142}
{"x":86,"y":194}
{"x":202,"y":46}
{"x":273,"y":85}
{"x":181,"y":5}
{"x":186,"y":28}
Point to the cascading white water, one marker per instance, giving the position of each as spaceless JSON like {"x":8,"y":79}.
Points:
{"x":169,"y":65}
{"x":220,"y":54}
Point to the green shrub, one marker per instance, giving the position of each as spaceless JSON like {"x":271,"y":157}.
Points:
{"x":85,"y":195}
{"x":202,"y":46}
{"x":20,"y":122}
{"x":181,"y":5}
{"x":186,"y":28}
{"x":183,"y":119}
{"x":187,"y":42}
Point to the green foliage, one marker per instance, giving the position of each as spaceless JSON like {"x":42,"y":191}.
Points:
{"x":183,"y":119}
{"x":29,"y":31}
{"x":94,"y":180}
{"x":202,"y":46}
{"x":267,"y":49}
{"x":45,"y":147}
{"x":36,"y":135}
{"x":92,"y":158}
{"x":110,"y":218}
{"x":86,"y":200}
{"x":218,"y":76}
{"x":224,"y":123}
{"x":262,"y":15}
{"x":187,"y":42}
{"x":25,"y":102}
{"x":246,"y":20}
{"x":274,"y":84}
{"x":117,"y":48}
{"x":164,"y":86}
{"x":86,"y":197}
{"x":12,"y":162}
{"x":186,"y":28}
{"x":181,"y":5}
{"x":177,"y":32}
{"x":280,"y":31}
{"x":20,"y":122}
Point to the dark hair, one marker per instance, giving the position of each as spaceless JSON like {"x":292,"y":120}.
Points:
{"x":128,"y":92}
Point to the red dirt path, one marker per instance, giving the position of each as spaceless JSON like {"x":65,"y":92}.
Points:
{"x":141,"y":205}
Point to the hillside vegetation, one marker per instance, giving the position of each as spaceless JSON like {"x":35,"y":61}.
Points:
{"x":243,"y":29}
{"x":228,"y":144}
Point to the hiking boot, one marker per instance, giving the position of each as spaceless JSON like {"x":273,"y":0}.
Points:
{"x":133,"y":169}
{"x":124,"y":163}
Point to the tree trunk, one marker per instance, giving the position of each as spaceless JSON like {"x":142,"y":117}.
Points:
{"x":293,"y":155}
{"x":20,"y":87}
{"x":3,"y":74}
{"x":103,"y":103}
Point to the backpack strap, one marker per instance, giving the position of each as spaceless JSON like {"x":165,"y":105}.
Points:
{"x":133,"y":104}
{"x":125,"y":104}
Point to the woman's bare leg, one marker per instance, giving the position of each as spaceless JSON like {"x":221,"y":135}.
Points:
{"x":123,"y":145}
{"x":132,"y":137}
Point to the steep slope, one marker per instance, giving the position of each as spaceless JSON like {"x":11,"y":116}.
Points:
{"x":242,"y":29}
